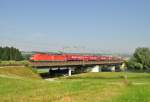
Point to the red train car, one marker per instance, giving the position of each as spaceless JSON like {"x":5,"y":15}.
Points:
{"x":70,"y":57}
{"x":48,"y":57}
{"x":90,"y":58}
{"x":74,"y":57}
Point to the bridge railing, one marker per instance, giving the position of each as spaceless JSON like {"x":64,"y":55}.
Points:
{"x":72,"y":63}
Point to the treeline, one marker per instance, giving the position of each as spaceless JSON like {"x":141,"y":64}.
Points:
{"x":140,"y":61}
{"x":10,"y":53}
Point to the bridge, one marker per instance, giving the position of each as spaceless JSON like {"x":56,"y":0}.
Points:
{"x":76,"y":64}
{"x":73,"y":63}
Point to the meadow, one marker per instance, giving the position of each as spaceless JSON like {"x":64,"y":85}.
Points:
{"x":21,"y":84}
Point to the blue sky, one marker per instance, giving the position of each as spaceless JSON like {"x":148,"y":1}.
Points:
{"x":75,"y":25}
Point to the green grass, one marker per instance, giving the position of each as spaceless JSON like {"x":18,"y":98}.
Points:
{"x":20,"y":72}
{"x":42,"y":71}
{"x":86,"y":87}
{"x":15,"y":63}
{"x":135,"y":93}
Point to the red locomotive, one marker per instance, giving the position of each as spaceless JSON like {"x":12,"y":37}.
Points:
{"x":69,"y":57}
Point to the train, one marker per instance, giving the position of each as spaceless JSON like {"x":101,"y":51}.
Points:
{"x":70,"y":57}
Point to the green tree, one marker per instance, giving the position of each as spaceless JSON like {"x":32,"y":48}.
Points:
{"x":140,"y":59}
{"x":1,"y":52}
{"x":5,"y":55}
{"x":10,"y":53}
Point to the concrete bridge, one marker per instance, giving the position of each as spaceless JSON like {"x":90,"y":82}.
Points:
{"x":78,"y":65}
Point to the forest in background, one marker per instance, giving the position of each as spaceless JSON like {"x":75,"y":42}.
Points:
{"x":10,"y":53}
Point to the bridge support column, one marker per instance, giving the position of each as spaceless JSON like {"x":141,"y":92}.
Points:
{"x":50,"y":71}
{"x":113,"y":68}
{"x":96,"y":68}
{"x":123,"y":67}
{"x":100,"y":69}
{"x":69,"y":71}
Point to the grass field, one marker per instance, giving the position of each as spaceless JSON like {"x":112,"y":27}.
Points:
{"x":14,"y":63}
{"x":86,"y":87}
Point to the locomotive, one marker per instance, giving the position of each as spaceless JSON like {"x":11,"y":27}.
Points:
{"x":70,"y":57}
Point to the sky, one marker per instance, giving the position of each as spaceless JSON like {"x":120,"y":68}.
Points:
{"x":95,"y":26}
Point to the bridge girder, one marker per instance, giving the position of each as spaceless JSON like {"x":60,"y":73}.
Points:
{"x":74,"y":64}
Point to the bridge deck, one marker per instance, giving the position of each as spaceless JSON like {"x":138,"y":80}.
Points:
{"x":74,"y":63}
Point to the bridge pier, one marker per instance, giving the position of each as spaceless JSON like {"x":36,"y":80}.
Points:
{"x":69,"y":71}
{"x":122,"y":67}
{"x":96,"y":68}
{"x":50,"y":71}
{"x":113,"y":68}
{"x":117,"y":68}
